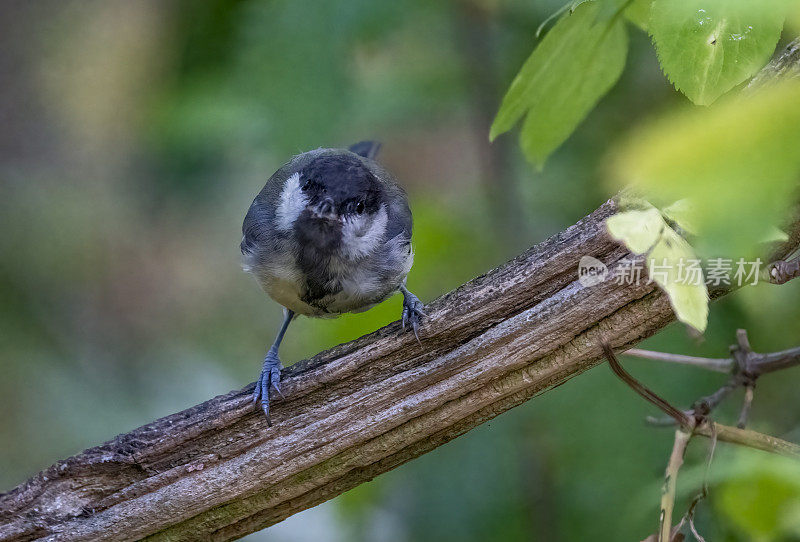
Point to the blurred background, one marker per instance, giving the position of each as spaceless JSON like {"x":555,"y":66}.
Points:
{"x":133,"y":137}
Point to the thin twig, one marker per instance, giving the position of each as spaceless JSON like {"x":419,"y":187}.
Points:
{"x":776,"y":361}
{"x":692,"y":527}
{"x":744,"y":365}
{"x":682,"y":438}
{"x":666,"y":421}
{"x":758,"y":364}
{"x":745,"y":412}
{"x":705,"y":405}
{"x":743,"y":340}
{"x":700,"y":425}
{"x":689,"y":516}
{"x":720,"y":365}
{"x":643,"y":390}
{"x":750,"y":439}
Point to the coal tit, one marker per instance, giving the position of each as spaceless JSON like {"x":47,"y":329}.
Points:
{"x":329,"y":233}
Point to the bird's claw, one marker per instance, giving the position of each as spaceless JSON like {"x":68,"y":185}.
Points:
{"x":270,"y":377}
{"x":412,"y":313}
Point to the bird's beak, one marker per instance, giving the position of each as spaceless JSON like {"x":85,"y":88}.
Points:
{"x":325,"y":210}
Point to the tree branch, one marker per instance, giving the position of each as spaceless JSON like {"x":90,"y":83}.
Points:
{"x":217,"y":471}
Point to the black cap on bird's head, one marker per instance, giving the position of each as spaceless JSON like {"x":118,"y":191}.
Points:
{"x":342,"y":202}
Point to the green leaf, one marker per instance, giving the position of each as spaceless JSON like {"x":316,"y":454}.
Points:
{"x":668,"y":255}
{"x":638,"y":12}
{"x":736,"y":162}
{"x":707,"y":47}
{"x":575,"y":64}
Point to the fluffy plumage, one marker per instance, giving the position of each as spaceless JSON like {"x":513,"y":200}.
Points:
{"x":329,"y":233}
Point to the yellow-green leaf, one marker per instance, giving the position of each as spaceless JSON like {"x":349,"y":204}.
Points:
{"x":668,"y":260}
{"x":638,"y":230}
{"x":775,"y":235}
{"x":682,"y":213}
{"x":667,"y":263}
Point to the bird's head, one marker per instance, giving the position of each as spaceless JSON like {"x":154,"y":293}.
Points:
{"x":335,"y":203}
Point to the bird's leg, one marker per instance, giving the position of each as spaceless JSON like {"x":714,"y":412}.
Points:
{"x":412,"y":310}
{"x":271,"y":371}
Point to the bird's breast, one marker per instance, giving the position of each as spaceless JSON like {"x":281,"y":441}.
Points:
{"x":322,"y":283}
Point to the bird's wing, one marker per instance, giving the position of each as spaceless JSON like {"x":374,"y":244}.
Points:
{"x":400,"y":222}
{"x":256,"y":223}
{"x":260,"y":217}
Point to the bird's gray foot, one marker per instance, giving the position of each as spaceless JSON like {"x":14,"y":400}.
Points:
{"x":412,"y":311}
{"x":270,"y":377}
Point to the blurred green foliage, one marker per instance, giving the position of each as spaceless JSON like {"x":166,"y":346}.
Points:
{"x":136,"y":134}
{"x":761,"y":496}
{"x":736,"y":163}
{"x":705,"y":48}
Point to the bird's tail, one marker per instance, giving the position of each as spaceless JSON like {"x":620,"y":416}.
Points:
{"x":367,"y":149}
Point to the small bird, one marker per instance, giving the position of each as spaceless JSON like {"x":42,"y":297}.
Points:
{"x":329,"y":233}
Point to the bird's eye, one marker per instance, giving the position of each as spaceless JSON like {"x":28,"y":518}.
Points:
{"x":360,"y":207}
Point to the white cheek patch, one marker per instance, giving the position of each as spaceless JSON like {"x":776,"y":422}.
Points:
{"x":360,"y":236}
{"x":292,"y":203}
